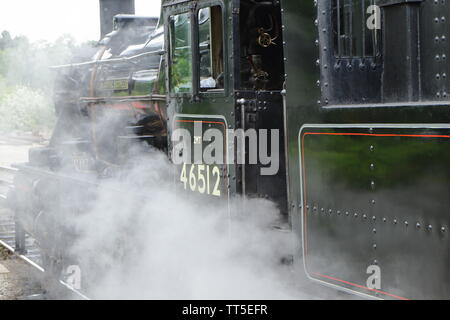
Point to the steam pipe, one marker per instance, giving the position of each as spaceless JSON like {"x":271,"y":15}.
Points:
{"x":110,"y":61}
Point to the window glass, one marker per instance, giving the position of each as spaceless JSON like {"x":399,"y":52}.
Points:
{"x":181,"y":54}
{"x":210,"y":24}
{"x":356,"y":28}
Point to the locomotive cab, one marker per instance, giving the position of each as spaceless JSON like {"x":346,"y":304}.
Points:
{"x":226,"y":72}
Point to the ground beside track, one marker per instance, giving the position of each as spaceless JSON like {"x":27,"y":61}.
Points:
{"x":18,"y":280}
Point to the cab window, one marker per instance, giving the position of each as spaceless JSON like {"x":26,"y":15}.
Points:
{"x":210,"y":31}
{"x":181,"y":53}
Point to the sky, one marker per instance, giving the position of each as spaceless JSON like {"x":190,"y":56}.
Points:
{"x":49,"y":19}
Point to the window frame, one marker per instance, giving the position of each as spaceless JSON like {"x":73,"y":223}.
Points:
{"x":193,"y":9}
{"x":169,"y":52}
{"x":214,"y":92}
{"x":336,"y":23}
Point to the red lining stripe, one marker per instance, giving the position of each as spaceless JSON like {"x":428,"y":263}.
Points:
{"x":360,"y":286}
{"x":305,"y":237}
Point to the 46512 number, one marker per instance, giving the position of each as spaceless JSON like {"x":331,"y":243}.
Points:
{"x":201,"y":178}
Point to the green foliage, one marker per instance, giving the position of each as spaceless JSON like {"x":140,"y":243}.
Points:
{"x":25,"y":109}
{"x":26,"y":80}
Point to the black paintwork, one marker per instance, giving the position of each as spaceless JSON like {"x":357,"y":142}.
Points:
{"x":400,"y":91}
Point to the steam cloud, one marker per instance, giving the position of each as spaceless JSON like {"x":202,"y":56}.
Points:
{"x":151,"y":242}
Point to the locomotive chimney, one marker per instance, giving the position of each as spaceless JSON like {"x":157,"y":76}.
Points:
{"x":110,"y":8}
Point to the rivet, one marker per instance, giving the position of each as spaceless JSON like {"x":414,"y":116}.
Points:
{"x":374,"y":245}
{"x":417,"y":225}
{"x":374,"y":230}
{"x":337,"y":66}
{"x":442,"y":229}
{"x":372,"y":166}
{"x":406,"y":223}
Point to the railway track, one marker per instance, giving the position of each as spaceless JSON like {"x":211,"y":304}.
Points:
{"x":32,"y":255}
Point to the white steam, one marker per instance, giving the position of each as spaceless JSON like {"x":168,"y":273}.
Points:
{"x":154,"y":242}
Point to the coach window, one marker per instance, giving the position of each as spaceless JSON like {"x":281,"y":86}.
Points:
{"x":210,"y":34}
{"x":181,"y":53}
{"x":356,"y":28}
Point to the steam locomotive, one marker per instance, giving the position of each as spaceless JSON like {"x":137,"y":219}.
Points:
{"x":357,"y":89}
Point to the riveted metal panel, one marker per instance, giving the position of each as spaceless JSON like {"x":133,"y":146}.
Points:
{"x":377,"y":196}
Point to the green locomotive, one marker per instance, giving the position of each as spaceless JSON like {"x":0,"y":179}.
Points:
{"x":344,"y":102}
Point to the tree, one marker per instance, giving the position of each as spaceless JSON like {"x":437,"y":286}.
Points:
{"x":6,"y":40}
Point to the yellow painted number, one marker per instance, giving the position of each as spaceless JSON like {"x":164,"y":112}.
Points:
{"x":199,"y":179}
